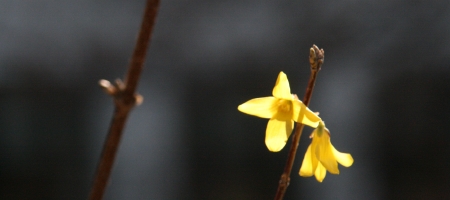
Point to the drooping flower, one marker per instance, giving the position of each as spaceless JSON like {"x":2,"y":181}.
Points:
{"x":282,"y":109}
{"x":322,"y":156}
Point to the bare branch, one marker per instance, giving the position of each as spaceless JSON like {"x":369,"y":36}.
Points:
{"x":125,"y":98}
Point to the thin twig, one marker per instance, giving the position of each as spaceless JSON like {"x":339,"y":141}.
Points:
{"x":316,"y":58}
{"x":124,"y":100}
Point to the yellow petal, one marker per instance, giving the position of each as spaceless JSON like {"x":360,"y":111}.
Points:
{"x":304,"y":115}
{"x":265,"y":107}
{"x":307,"y":169}
{"x":324,"y":152}
{"x":314,"y":143}
{"x":285,"y":110}
{"x":277,"y":134}
{"x":345,"y":159}
{"x":282,"y":89}
{"x":315,"y":139}
{"x":320,"y":173}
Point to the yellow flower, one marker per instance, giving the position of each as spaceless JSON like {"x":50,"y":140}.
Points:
{"x":282,"y":109}
{"x":322,"y":156}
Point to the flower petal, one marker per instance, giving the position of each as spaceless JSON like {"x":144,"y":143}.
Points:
{"x":320,"y":173}
{"x":304,"y":115}
{"x":324,"y":152}
{"x":345,"y":159}
{"x":314,"y":144}
{"x":285,"y":110}
{"x":264,"y":107}
{"x":282,"y":89}
{"x":277,"y":134}
{"x":307,"y":169}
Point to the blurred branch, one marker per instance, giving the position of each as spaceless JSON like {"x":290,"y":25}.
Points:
{"x":316,"y":58}
{"x":125,"y":98}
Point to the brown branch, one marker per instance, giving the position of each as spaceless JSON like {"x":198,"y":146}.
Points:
{"x":316,"y":58}
{"x":124,"y":100}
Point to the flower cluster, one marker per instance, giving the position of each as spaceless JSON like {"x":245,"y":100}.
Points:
{"x":282,"y":109}
{"x":322,"y":156}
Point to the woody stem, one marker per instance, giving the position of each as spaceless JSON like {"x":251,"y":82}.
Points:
{"x":316,"y":58}
{"x":124,"y":100}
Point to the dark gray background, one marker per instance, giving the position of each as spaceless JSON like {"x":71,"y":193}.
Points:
{"x":382,"y":91}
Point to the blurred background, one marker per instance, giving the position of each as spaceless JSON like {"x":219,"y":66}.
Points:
{"x":382,"y":91}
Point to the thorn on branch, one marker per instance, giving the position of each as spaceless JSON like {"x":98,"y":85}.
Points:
{"x":107,"y":87}
{"x":138,"y":99}
{"x":285,"y":180}
{"x":116,"y":90}
{"x":120,"y":85}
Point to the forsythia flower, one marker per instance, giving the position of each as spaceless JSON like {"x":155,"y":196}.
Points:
{"x":322,"y":156}
{"x":282,"y":109}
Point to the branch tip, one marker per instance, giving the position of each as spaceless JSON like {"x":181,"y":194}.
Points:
{"x":316,"y":57}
